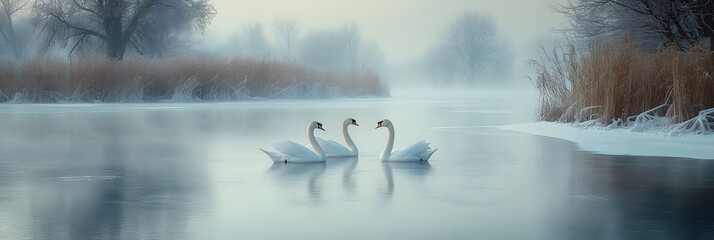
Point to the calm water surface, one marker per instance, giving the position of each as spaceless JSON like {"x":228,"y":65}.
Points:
{"x":193,"y":171}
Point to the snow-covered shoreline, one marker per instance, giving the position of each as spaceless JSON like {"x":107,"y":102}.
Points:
{"x":622,"y":141}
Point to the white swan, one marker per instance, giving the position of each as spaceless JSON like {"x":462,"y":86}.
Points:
{"x":289,"y":151}
{"x":419,"y":151}
{"x":335,"y":149}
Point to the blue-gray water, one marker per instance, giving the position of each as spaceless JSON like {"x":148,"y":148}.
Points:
{"x":193,"y":171}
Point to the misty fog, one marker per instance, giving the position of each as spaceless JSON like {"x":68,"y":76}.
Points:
{"x":423,"y":43}
{"x":405,"y":41}
{"x":425,"y":119}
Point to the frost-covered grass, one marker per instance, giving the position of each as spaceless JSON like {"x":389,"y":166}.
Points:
{"x":92,"y":79}
{"x":618,"y":85}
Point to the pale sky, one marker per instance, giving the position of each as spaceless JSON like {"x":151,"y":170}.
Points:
{"x":403,"y":29}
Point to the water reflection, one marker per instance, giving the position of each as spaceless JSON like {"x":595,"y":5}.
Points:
{"x":347,"y":166}
{"x":116,"y":199}
{"x":631,"y":197}
{"x":197,"y":174}
{"x":99,"y":176}
{"x":310,"y":174}
{"x":410,"y":170}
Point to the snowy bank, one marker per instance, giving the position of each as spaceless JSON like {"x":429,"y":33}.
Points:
{"x":623,"y":141}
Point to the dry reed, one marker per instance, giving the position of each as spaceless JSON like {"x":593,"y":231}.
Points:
{"x":615,"y":82}
{"x":180,"y":79}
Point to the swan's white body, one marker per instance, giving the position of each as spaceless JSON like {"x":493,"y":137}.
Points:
{"x":419,"y":151}
{"x":335,"y":149}
{"x":289,"y":151}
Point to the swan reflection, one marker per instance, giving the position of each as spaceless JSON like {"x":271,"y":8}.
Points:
{"x":292,"y":173}
{"x":414,"y":170}
{"x":348,"y":166}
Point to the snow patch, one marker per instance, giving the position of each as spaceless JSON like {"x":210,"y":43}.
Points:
{"x":622,"y":141}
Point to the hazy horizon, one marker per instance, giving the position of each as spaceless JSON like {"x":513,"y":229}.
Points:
{"x":392,"y":24}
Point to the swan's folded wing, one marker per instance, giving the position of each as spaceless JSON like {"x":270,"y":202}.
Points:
{"x":411,"y":148}
{"x":275,"y":156}
{"x":332,"y":147}
{"x":416,"y":151}
{"x":402,"y":148}
{"x":295,"y":150}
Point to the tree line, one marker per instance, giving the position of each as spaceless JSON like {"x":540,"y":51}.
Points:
{"x":471,"y":49}
{"x":117,"y":28}
{"x":341,"y":48}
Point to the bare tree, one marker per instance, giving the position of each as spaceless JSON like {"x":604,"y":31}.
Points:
{"x":475,"y":40}
{"x":704,"y":12}
{"x":114,"y":24}
{"x":9,"y":8}
{"x":651,"y":22}
{"x":287,"y":31}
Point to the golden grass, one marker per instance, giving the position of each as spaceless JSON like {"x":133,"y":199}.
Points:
{"x":615,"y":80}
{"x":183,"y":79}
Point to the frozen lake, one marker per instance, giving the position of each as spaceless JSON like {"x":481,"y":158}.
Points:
{"x":194,"y":171}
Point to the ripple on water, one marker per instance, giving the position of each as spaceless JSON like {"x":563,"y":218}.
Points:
{"x":87,"y":178}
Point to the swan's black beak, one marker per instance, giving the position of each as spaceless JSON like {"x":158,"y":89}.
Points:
{"x":355,"y":123}
{"x":379,"y":124}
{"x":319,"y":126}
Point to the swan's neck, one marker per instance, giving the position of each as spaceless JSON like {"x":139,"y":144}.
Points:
{"x":315,"y":145}
{"x":348,"y":139}
{"x":390,"y":144}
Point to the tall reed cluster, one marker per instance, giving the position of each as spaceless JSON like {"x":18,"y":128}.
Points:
{"x":91,"y":79}
{"x":615,"y":82}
